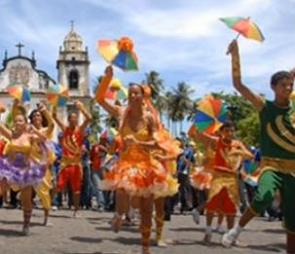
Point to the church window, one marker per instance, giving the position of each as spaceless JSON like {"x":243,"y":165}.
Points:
{"x":73,"y":79}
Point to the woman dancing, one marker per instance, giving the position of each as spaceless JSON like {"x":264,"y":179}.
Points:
{"x":136,"y":173}
{"x":17,"y":166}
{"x":41,"y":119}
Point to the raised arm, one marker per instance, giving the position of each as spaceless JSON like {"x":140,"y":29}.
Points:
{"x":85,"y":113}
{"x":57,"y":120}
{"x":36,"y":135}
{"x":5,"y":131}
{"x":206,"y":139}
{"x":114,"y":110}
{"x":255,"y":99}
{"x":49,"y":130}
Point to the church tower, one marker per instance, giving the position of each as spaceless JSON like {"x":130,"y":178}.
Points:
{"x":73,"y":65}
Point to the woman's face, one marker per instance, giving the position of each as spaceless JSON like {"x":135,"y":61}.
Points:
{"x":20,"y":123}
{"x":135,"y":95}
{"x":37,"y":118}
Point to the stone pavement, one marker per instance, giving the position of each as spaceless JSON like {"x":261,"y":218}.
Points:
{"x":91,"y":234}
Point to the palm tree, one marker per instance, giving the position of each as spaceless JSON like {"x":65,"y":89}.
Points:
{"x":95,"y":125}
{"x":157,"y":91}
{"x":180,"y":104}
{"x":156,"y":84}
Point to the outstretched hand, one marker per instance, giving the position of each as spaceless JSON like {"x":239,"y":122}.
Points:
{"x":233,"y":48}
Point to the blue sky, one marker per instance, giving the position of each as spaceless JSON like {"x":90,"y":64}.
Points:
{"x":181,"y":39}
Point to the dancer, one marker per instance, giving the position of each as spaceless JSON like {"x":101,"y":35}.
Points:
{"x":277,"y":149}
{"x":18,"y":167}
{"x":72,"y":144}
{"x":41,"y":119}
{"x":224,"y":191}
{"x":135,"y":173}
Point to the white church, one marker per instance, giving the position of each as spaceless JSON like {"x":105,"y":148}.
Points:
{"x":72,"y":71}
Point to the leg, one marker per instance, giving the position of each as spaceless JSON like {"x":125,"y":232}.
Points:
{"x":122,"y":207}
{"x":96,"y":182}
{"x":230,"y":219}
{"x":290,"y":243}
{"x":160,"y":213}
{"x":269,"y":183}
{"x":26,"y":201}
{"x":219,"y":228}
{"x":208,"y":230}
{"x":76,"y":180}
{"x":146,"y":211}
{"x":287,"y":194}
{"x":43,"y":192}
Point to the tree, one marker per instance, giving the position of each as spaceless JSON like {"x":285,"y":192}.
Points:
{"x":180,"y":104}
{"x":156,"y":84}
{"x":244,"y":115}
{"x":95,"y":125}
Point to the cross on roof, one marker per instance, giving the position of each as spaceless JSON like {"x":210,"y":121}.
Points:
{"x":19,"y":46}
{"x":72,"y":25}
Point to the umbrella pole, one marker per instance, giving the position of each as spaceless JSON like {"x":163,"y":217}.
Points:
{"x":237,"y":37}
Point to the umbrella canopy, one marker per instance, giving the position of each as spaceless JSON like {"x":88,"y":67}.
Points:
{"x":119,"y":53}
{"x":244,"y":26}
{"x":211,"y":114}
{"x":57,"y":95}
{"x":19,"y":92}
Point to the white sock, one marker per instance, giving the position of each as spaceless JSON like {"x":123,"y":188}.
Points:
{"x":238,"y":229}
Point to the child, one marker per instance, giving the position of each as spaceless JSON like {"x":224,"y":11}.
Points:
{"x":224,"y":191}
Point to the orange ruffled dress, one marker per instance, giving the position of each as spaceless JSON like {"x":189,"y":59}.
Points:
{"x":202,"y":177}
{"x":136,"y":171}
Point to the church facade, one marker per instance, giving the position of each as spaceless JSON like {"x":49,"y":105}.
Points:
{"x":72,"y":71}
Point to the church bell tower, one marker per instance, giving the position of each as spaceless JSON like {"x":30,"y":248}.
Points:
{"x":73,"y":65}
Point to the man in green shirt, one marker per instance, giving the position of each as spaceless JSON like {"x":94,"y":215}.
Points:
{"x":277,"y":140}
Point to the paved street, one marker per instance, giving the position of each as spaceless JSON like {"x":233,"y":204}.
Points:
{"x":91,"y":234}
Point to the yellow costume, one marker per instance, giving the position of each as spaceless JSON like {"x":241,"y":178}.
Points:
{"x":38,"y":153}
{"x":136,"y":171}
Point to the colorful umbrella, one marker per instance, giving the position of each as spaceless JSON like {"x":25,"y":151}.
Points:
{"x":19,"y":92}
{"x":116,"y":91}
{"x":119,"y":53}
{"x":57,"y":95}
{"x":211,"y":114}
{"x":245,"y":27}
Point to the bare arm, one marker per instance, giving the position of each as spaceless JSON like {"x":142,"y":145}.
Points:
{"x":114,"y":110}
{"x":37,"y":135}
{"x":206,"y":139}
{"x":255,"y":99}
{"x":57,"y":120}
{"x":85,"y":113}
{"x":5,"y":132}
{"x":46,"y":114}
{"x":246,"y":153}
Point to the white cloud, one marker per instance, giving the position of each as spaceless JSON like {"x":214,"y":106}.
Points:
{"x":182,"y":41}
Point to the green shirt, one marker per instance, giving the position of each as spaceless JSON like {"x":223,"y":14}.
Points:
{"x":277,"y":136}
